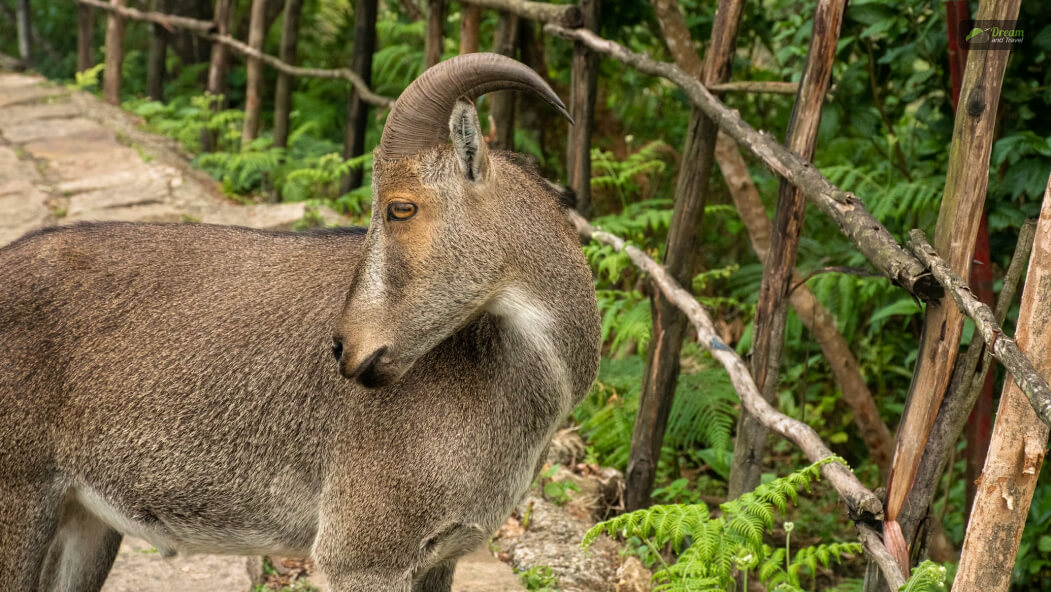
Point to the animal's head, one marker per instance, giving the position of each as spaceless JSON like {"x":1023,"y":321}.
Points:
{"x":450,"y":220}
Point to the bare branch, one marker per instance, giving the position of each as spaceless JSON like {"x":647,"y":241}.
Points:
{"x":565,"y":15}
{"x":202,"y":29}
{"x":871,"y":238}
{"x":1002,"y":347}
{"x":861,"y":503}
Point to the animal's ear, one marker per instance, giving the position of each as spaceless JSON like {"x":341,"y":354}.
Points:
{"x":468,"y":141}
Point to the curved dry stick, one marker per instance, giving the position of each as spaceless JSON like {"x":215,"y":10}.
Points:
{"x":203,"y":29}
{"x":862,"y":504}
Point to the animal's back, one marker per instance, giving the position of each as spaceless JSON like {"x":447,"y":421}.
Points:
{"x":135,"y":347}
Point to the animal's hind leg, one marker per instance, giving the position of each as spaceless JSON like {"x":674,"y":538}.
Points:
{"x":81,"y":553}
{"x":28,"y":519}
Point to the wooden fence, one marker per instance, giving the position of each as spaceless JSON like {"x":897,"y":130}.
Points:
{"x":910,"y":483}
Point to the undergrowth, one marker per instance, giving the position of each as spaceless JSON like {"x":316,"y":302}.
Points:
{"x":707,"y":552}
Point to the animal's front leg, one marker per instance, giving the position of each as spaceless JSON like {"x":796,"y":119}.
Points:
{"x":348,"y":581}
{"x":437,"y":579}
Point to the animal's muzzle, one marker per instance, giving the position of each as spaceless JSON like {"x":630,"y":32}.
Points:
{"x":372,"y":372}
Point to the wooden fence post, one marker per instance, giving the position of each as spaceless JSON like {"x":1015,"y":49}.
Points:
{"x":1019,"y":441}
{"x":582,"y":92}
{"x":254,"y":69}
{"x":25,"y":32}
{"x":85,"y":37}
{"x":155,"y":64}
{"x":469,"y":23}
{"x":502,"y":103}
{"x":357,"y":109}
{"x":432,"y":53}
{"x":779,"y":266}
{"x":217,"y":66}
{"x":669,"y":323}
{"x":283,"y":92}
{"x":114,"y":55}
{"x":958,"y":220}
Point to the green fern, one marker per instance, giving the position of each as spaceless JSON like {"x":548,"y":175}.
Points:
{"x":709,"y":549}
{"x":927,"y":577}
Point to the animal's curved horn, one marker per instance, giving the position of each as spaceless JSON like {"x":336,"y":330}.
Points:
{"x":420,"y":116}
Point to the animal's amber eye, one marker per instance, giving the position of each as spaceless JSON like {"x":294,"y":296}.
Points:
{"x":401,"y":210}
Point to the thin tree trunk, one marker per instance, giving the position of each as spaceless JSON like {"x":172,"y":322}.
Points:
{"x":220,"y":58}
{"x":357,"y":109}
{"x":283,"y":92}
{"x":1016,"y":452}
{"x":669,"y":323}
{"x":502,"y":103}
{"x":155,"y":66}
{"x":814,"y":316}
{"x":25,"y":33}
{"x":980,"y":424}
{"x":469,"y":23}
{"x":254,"y":69}
{"x":583,"y":91}
{"x":772,"y":309}
{"x":677,"y":36}
{"x":955,"y":233}
{"x":435,"y":32}
{"x":114,"y":56}
{"x":85,"y":37}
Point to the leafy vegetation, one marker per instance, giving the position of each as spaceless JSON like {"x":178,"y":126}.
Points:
{"x":710,"y":551}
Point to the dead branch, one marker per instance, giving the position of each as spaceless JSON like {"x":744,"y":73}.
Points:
{"x":849,"y":213}
{"x":772,"y":87}
{"x":814,"y":316}
{"x":1002,"y":347}
{"x":963,"y":392}
{"x":565,"y":15}
{"x":861,"y":503}
{"x":202,"y":28}
{"x":158,"y":18}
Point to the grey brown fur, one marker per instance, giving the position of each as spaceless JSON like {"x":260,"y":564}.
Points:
{"x":176,"y":382}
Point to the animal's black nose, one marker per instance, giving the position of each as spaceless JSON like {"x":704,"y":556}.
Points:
{"x":337,"y":347}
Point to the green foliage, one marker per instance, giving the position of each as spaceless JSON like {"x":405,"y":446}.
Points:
{"x":709,"y":551}
{"x":88,"y":80}
{"x":627,"y":177}
{"x":928,"y":576}
{"x":538,"y":579}
{"x":557,"y":492}
{"x":701,"y":420}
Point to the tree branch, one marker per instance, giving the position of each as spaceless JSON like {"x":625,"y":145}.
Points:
{"x":1002,"y":347}
{"x":862,"y":504}
{"x":202,"y":29}
{"x":871,"y":238}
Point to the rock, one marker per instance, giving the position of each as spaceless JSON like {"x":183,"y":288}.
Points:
{"x":552,"y":539}
{"x":632,"y":576}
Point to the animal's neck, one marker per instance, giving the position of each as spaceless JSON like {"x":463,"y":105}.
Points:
{"x":530,"y":330}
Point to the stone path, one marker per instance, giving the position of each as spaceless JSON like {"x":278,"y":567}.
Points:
{"x":65,"y":157}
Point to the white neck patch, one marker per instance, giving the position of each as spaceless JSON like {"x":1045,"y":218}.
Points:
{"x":533,"y":324}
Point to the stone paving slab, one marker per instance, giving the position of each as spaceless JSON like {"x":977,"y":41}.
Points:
{"x":22,"y":132}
